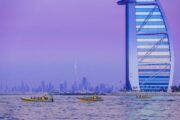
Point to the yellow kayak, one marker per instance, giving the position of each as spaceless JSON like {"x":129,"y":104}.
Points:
{"x":90,"y":99}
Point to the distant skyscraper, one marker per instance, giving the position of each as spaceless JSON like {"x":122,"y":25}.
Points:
{"x":149,"y":54}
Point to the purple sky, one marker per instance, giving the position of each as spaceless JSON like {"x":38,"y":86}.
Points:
{"x":42,"y":40}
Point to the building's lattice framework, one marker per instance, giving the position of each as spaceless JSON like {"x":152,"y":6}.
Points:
{"x":149,"y":51}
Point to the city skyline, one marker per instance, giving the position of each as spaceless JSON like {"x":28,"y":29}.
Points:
{"x":41,"y":40}
{"x":81,"y":86}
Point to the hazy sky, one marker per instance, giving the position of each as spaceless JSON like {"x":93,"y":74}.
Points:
{"x":43,"y":39}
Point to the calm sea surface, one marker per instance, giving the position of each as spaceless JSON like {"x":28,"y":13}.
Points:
{"x":112,"y":108}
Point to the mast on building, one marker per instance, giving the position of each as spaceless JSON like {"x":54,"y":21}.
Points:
{"x":149,"y":52}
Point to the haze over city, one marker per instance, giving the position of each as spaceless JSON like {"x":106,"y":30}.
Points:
{"x":60,"y":40}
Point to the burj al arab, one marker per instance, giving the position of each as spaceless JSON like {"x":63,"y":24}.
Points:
{"x":149,"y":51}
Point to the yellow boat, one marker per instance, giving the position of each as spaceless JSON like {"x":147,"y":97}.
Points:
{"x":90,"y":99}
{"x":143,"y":96}
{"x":38,"y":99}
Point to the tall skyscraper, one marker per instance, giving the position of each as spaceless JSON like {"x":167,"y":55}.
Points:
{"x":149,"y":52}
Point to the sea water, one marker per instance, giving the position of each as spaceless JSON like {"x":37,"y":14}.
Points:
{"x":112,"y":108}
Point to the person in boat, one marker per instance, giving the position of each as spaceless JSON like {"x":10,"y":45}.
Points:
{"x":94,"y":97}
{"x":142,"y":96}
{"x":32,"y":97}
{"x":139,"y":96}
{"x":45,"y":98}
{"x":52,"y":98}
{"x":42,"y":98}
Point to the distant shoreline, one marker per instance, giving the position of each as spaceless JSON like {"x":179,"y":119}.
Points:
{"x":53,"y":93}
{"x":145,"y":93}
{"x":107,"y":94}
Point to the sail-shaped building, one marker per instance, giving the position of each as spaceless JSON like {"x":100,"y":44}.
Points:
{"x":149,"y":53}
